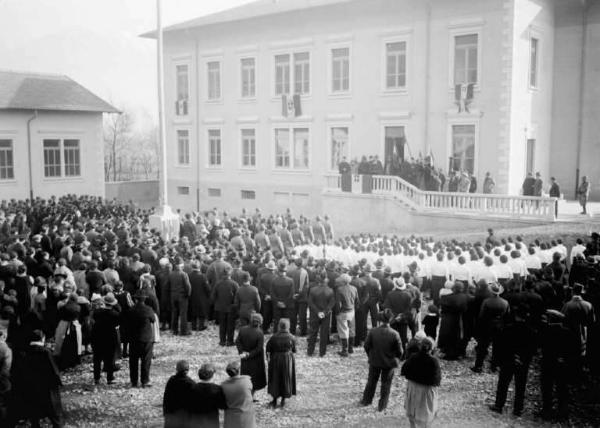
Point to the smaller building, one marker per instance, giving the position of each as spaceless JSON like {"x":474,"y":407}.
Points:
{"x":51,"y":137}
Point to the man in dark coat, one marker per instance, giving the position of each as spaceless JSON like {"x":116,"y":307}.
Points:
{"x":266,"y":276}
{"x":320,"y":303}
{"x":362,"y":304}
{"x":141,"y":317}
{"x":374,"y":289}
{"x":177,"y":401}
{"x":399,"y":301}
{"x":301,"y":284}
{"x":223,"y":297}
{"x":528,"y":183}
{"x":199,"y":298}
{"x":206,"y":399}
{"x":36,"y":384}
{"x":384,"y":349}
{"x":247,"y":300}
{"x":453,"y":307}
{"x":282,"y":294}
{"x":104,"y":338}
{"x":179,"y":284}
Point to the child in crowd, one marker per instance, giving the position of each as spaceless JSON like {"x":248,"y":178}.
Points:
{"x":431,"y":321}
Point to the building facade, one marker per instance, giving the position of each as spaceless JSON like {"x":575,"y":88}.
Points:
{"x":264,"y":100}
{"x":51,"y":140}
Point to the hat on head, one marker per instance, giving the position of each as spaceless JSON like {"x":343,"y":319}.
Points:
{"x":110,"y":300}
{"x":367,"y":268}
{"x":400,"y":283}
{"x":271,"y":265}
{"x":496,"y":288}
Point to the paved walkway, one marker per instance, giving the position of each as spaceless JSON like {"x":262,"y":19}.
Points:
{"x":569,"y":211}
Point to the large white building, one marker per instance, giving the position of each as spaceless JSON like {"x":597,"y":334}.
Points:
{"x":366,"y":77}
{"x":51,"y":141}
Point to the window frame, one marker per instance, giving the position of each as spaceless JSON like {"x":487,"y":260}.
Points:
{"x":290,"y":127}
{"x":536,"y":70}
{"x":208,"y":148}
{"x":331,"y":47}
{"x":207,"y":62}
{"x":328,"y":137}
{"x":291,"y":52}
{"x":465,"y":31}
{"x":449,"y":143}
{"x":241,"y":96}
{"x":7,"y":167}
{"x":404,"y":37}
{"x":189,"y":149}
{"x":176,"y":64}
{"x":241,"y":148}
{"x":62,"y":165}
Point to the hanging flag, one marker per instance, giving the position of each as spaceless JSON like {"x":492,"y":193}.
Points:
{"x":463,"y":96}
{"x":290,"y":105}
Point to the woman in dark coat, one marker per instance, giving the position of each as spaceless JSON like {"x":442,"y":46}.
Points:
{"x":104,"y":337}
{"x":451,"y":328}
{"x":206,"y":399}
{"x":250,"y":342}
{"x":68,"y":339}
{"x":282,"y":363}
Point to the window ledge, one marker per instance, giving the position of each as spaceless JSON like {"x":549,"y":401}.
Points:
{"x":302,"y":97}
{"x":182,"y":166}
{"x":182,"y":120}
{"x":246,"y":169}
{"x":63,"y":179}
{"x":214,"y":102}
{"x":8,"y":182}
{"x":210,"y":168}
{"x":476,"y":88}
{"x":340,"y":95}
{"x":394,"y":92}
{"x":291,"y":171}
{"x":248,"y":100}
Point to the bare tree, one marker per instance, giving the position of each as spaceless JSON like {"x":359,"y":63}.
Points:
{"x":117,"y":136}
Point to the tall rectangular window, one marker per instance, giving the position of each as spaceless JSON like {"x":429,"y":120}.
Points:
{"x":183,"y":147}
{"x":533,"y":62}
{"x":214,"y":80}
{"x":183,"y":89}
{"x":248,"y":66}
{"x":214,"y":147}
{"x":340,"y":70}
{"x":339,"y":146}
{"x":52,"y":164}
{"x":395,"y":54}
{"x":463,"y":148}
{"x":248,"y":148}
{"x":530,"y":161}
{"x":300,"y":148}
{"x":72,"y":158}
{"x":282,"y":148}
{"x":466,"y":59}
{"x":301,"y":73}
{"x":282,"y":74}
{"x":7,"y":171}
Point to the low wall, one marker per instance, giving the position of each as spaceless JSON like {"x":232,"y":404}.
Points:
{"x":353,"y":213}
{"x":142,"y":193}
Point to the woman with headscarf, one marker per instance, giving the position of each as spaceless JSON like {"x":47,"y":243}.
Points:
{"x":250,"y":344}
{"x":282,"y":363}
{"x":238,"y":396}
{"x":423,"y":374}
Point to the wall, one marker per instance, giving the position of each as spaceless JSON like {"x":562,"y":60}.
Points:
{"x":87,"y":127}
{"x":143,"y":193}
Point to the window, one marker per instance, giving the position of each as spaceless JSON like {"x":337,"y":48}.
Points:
{"x":339,"y":146}
{"x":291,"y":153}
{"x":282,"y":74}
{"x":301,"y":73}
{"x":533,"y":62}
{"x":72,"y":162}
{"x":183,"y":190}
{"x":530,"y":162}
{"x":248,"y":194}
{"x":465,"y":59}
{"x":214,"y":193}
{"x":395,"y":57}
{"x":7,"y":171}
{"x":463,"y":148}
{"x":183,"y":90}
{"x":340,"y":70}
{"x":282,"y":148}
{"x":53,"y":161}
{"x":394,"y":146}
{"x":214,"y":147}
{"x":183,"y":147}
{"x":214,"y":80}
{"x":248,"y":148}
{"x":248,"y":77}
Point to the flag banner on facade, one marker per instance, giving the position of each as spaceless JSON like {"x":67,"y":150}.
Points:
{"x":181,"y":107}
{"x":463,"y":95}
{"x":290,"y":105}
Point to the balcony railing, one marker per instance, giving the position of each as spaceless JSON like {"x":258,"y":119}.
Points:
{"x":421,"y":200}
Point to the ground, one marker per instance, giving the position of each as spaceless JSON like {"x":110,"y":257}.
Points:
{"x":329,"y":388}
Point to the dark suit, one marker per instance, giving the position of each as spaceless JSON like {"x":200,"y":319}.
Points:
{"x":400,"y":303}
{"x":181,"y":289}
{"x":492,"y":315}
{"x":384,"y":349}
{"x":177,"y":401}
{"x":223,"y":296}
{"x":320,"y":299}
{"x":282,"y":293}
{"x":141,"y":318}
{"x":105,"y":341}
{"x":206,"y":400}
{"x":199,"y":299}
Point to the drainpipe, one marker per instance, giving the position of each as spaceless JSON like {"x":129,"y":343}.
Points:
{"x":197,"y":118}
{"x":427,"y":79}
{"x":35,"y":115}
{"x":584,"y":25}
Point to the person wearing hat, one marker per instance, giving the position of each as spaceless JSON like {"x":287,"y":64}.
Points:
{"x":104,"y":337}
{"x":199,"y":297}
{"x":374,"y":290}
{"x":579,"y":318}
{"x":177,"y":398}
{"x":320,"y":302}
{"x":399,"y":301}
{"x":223,"y":298}
{"x":250,"y":345}
{"x":141,"y":336}
{"x":346,"y":301}
{"x":239,"y":412}
{"x":360,"y":311}
{"x":265,"y":277}
{"x":384,"y":349}
{"x":180,"y":287}
{"x":489,"y":325}
{"x":300,"y":278}
{"x":282,"y":294}
{"x":246,"y":300}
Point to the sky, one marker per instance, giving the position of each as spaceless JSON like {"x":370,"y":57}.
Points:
{"x":95,"y":42}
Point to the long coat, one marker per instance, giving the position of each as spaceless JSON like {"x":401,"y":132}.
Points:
{"x":200,"y":297}
{"x":251,"y":340}
{"x":453,"y":307}
{"x":206,"y":400}
{"x":282,"y":365}
{"x":240,"y":408}
{"x":177,"y":401}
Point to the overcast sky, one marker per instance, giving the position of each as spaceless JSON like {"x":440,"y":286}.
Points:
{"x":95,"y":42}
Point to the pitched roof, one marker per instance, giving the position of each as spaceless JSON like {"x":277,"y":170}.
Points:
{"x":247,"y":11}
{"x":33,"y":91}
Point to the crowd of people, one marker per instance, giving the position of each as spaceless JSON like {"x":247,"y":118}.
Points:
{"x":79,"y":275}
